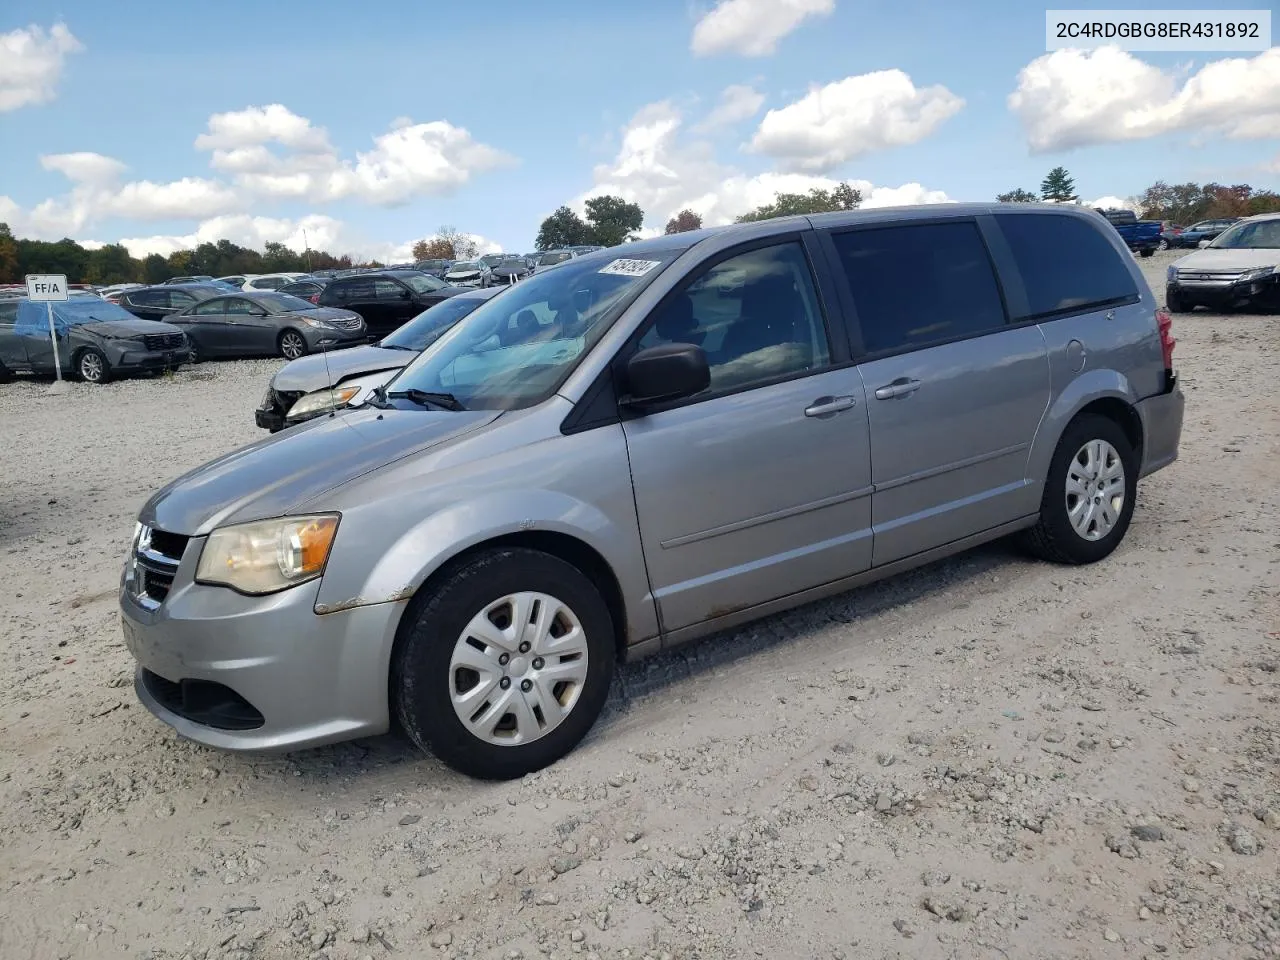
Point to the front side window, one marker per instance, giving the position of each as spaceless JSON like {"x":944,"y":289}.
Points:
{"x":424,"y":284}
{"x":918,"y":284}
{"x":180,"y":300}
{"x":1066,"y":263}
{"x":239,"y":307}
{"x":516,"y":349}
{"x":755,"y":315}
{"x":386,"y":289}
{"x":210,"y":308}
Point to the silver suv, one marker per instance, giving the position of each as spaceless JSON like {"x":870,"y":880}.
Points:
{"x":629,"y":452}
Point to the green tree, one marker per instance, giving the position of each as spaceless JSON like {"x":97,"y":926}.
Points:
{"x":683,"y":222}
{"x":842,"y":197}
{"x":10,"y":272}
{"x":564,"y":228}
{"x":155,"y":269}
{"x":1058,"y":186}
{"x":180,"y":262}
{"x":1017,"y":196}
{"x":66,"y":257}
{"x":110,"y":264}
{"x":612,"y":220}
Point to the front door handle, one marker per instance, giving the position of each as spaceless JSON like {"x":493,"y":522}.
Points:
{"x":899,"y":388}
{"x":828,"y":406}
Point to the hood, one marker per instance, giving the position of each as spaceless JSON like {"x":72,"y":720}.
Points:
{"x":277,"y":475}
{"x":127,"y":329}
{"x":1222,"y":261}
{"x":317,"y":371}
{"x":329,"y":313}
{"x":462,"y":273}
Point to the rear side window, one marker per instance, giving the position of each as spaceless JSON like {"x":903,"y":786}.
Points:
{"x":149,"y":298}
{"x":1066,"y":263}
{"x":918,"y":284}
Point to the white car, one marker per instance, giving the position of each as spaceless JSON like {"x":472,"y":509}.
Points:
{"x":270,"y":281}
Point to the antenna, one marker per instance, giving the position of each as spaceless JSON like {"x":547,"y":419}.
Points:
{"x":333,"y":407}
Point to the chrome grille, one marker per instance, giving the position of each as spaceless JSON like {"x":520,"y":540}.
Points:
{"x":163,"y":341}
{"x":156,"y":557}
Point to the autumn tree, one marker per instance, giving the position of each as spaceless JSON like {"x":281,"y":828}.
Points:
{"x":564,"y":228}
{"x":842,"y":197}
{"x":1058,"y":186}
{"x":683,"y":222}
{"x":462,"y":245}
{"x":437,"y":248}
{"x":1017,"y":196}
{"x":1188,"y":202}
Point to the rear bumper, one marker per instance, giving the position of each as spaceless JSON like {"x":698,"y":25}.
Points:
{"x":1161,"y":417}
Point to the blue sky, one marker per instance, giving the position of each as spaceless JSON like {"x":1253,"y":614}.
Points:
{"x":370,"y":126}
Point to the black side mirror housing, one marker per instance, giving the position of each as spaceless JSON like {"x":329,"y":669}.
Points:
{"x":667,"y":372}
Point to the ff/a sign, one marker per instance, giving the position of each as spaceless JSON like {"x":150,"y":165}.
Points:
{"x":42,"y":287}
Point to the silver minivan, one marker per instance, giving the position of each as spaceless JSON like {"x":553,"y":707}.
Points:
{"x":643,"y":446}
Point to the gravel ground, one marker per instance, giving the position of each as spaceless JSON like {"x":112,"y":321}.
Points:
{"x":991,"y":757}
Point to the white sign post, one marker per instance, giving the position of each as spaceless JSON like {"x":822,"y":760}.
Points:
{"x":47,"y":288}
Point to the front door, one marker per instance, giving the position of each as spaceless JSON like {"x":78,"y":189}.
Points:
{"x":395,"y":302}
{"x":954,"y":394}
{"x":205,"y":326}
{"x":759,"y":487}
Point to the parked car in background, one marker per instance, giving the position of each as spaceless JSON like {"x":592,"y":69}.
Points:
{"x":491,"y":259}
{"x":621,"y":455}
{"x":235,"y":280}
{"x":270,"y":281}
{"x":312,"y":386}
{"x":1203,"y":230}
{"x":469,"y":273}
{"x":1240,"y":269}
{"x":434,"y":268}
{"x":510,"y":270}
{"x":263,"y":324}
{"x":553,"y":258}
{"x":1169,"y":232}
{"x":160,"y":302}
{"x":1140,"y":236}
{"x":113,"y":291}
{"x":388,"y":299}
{"x":307,"y":289}
{"x":198,"y":279}
{"x":97,"y":340}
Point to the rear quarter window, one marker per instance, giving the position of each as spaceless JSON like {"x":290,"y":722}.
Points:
{"x":1066,"y":263}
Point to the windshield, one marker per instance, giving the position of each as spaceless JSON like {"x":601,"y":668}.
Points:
{"x":466,"y":267}
{"x":284,"y":303}
{"x":1260,"y":235}
{"x":428,"y":326}
{"x":421,"y":283}
{"x":549,"y":258}
{"x":515,"y":350}
{"x":32,"y":319}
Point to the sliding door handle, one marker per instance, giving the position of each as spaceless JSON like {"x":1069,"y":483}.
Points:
{"x":828,"y":406}
{"x":901,"y":387}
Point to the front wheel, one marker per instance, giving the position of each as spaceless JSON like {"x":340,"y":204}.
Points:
{"x":1147,"y":251}
{"x":1163,"y":245}
{"x":1088,"y":494}
{"x":504,"y":666}
{"x":1176,"y":302}
{"x":91,"y":365}
{"x":292,"y":345}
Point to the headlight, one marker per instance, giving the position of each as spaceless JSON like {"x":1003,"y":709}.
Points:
{"x":1260,"y":273}
{"x":323,"y":400}
{"x":313,"y":322}
{"x":268,"y":555}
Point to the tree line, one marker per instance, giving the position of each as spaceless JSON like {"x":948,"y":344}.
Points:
{"x":113,"y":264}
{"x":1183,"y":203}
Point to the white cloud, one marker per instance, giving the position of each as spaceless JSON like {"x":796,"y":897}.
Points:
{"x":31,"y":62}
{"x":84,"y":167}
{"x":1074,"y":98}
{"x":840,"y":121}
{"x":1110,"y":202}
{"x":737,"y":102}
{"x":664,"y":173}
{"x":411,"y":160}
{"x":752,"y":28}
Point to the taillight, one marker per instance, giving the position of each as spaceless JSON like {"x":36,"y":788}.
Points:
{"x":315,"y":298}
{"x":1167,"y":343}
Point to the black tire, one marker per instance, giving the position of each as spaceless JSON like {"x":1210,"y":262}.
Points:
{"x":5,"y":375}
{"x":420,"y":666}
{"x":292,"y":345}
{"x":1148,"y":251}
{"x":1053,"y":538}
{"x":1175,"y":301}
{"x":1162,"y":245}
{"x":193,"y":352}
{"x":91,"y":366}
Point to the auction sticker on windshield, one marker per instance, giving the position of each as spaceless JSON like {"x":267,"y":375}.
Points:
{"x":630,"y":268}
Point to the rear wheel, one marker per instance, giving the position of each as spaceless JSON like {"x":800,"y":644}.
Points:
{"x":91,"y":366}
{"x":1088,"y":494}
{"x":505,"y":665}
{"x":1163,"y":245}
{"x":292,"y":345}
{"x":1148,"y":251}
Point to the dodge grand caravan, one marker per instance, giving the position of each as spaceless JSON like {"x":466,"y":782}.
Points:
{"x":632,"y":451}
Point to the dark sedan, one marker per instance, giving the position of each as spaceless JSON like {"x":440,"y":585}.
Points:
{"x":252,"y":324}
{"x":97,"y":340}
{"x":310,"y":387}
{"x":386,"y":299}
{"x":161,"y":302}
{"x":305,"y":289}
{"x":510,"y":270}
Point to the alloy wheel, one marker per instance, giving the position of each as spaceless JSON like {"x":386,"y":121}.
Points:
{"x":91,"y":368}
{"x":291,"y":345}
{"x":1095,"y":490}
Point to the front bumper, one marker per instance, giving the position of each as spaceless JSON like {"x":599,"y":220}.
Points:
{"x":133,"y":361}
{"x":268,"y":419}
{"x":323,"y":338}
{"x":1161,"y":417}
{"x":297,"y":679}
{"x":1261,"y":292}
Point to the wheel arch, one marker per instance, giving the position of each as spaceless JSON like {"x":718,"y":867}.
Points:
{"x":1106,"y":393}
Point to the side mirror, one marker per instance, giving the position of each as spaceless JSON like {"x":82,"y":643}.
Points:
{"x":1202,"y":244}
{"x":670,"y":371}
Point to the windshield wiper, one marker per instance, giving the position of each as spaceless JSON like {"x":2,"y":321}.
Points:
{"x":426,"y":398}
{"x":394,"y":346}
